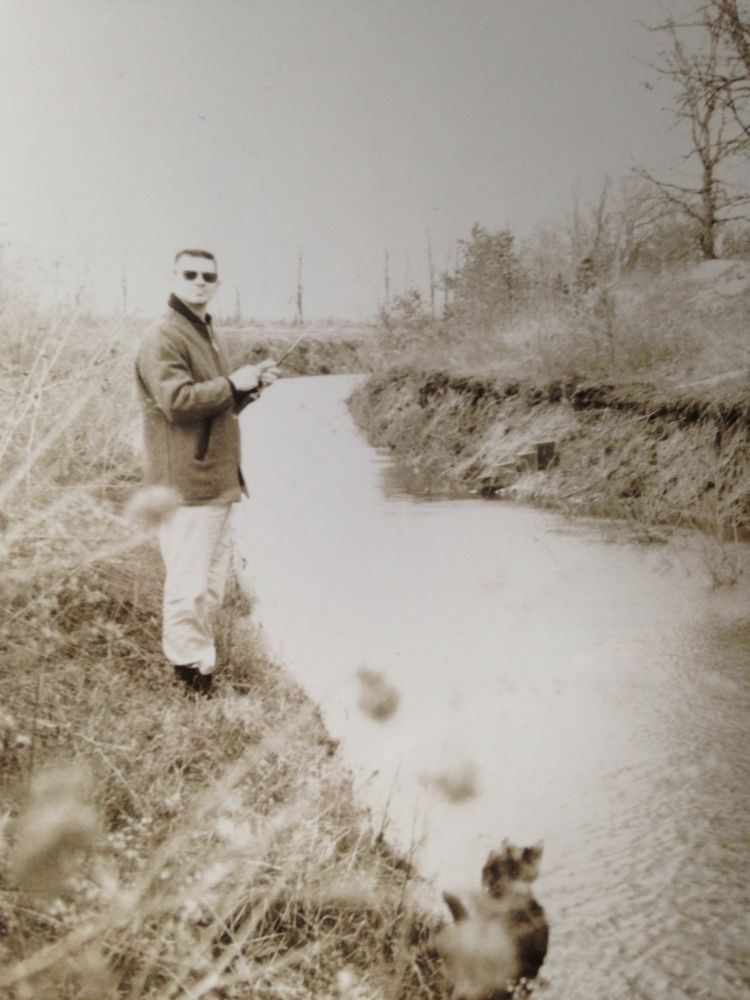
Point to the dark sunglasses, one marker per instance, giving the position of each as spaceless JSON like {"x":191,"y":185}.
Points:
{"x":209,"y":276}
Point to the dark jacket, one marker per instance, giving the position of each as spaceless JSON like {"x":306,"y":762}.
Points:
{"x":191,"y":431}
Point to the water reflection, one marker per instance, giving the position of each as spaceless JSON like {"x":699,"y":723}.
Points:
{"x":600,"y":689}
{"x":409,"y":483}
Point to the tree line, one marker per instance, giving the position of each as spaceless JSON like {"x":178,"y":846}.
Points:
{"x":639,"y":224}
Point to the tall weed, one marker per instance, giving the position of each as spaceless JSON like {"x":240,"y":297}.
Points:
{"x":154,"y":846}
{"x":682,"y":325}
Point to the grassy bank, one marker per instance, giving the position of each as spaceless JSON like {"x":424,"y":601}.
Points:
{"x":151,"y":845}
{"x":327,"y":349}
{"x":647,"y":407}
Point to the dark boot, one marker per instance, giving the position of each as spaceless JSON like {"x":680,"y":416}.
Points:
{"x":193,"y":679}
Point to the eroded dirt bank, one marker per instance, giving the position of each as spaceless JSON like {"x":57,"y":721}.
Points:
{"x":673,"y":454}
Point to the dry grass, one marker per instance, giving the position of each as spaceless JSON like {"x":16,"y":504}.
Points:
{"x":327,"y":348}
{"x":176,"y":848}
{"x":683,"y":326}
{"x":642,"y":388}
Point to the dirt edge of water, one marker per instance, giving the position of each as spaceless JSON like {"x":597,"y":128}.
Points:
{"x":655,"y":454}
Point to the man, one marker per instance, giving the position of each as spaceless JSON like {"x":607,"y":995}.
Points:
{"x":190,"y":401}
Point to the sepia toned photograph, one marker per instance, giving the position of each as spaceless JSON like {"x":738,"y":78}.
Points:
{"x":374,"y":499}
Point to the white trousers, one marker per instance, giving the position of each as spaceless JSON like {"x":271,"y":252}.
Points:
{"x":197,"y":550}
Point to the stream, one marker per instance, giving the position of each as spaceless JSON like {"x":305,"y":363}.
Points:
{"x":564,"y":683}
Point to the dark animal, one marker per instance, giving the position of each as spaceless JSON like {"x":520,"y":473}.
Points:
{"x":499,"y":940}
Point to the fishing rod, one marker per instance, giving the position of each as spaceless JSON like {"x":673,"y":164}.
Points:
{"x":288,"y":351}
{"x":246,"y":397}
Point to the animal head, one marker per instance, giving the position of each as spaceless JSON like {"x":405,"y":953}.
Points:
{"x":509,"y":866}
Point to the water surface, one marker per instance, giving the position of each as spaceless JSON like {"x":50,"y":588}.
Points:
{"x":598,"y":688}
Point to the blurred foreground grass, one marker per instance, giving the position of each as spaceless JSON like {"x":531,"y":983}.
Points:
{"x":150,"y":845}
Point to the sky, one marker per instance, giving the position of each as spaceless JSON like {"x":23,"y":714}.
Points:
{"x":332,"y":129}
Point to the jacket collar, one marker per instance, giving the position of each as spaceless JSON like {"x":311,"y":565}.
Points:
{"x":179,"y":306}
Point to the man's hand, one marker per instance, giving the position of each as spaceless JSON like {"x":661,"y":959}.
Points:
{"x":270,"y":372}
{"x":250,"y":377}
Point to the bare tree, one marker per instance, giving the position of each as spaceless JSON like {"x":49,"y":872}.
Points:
{"x":432,"y":276}
{"x":299,"y":318}
{"x":125,"y":285}
{"x":634,"y":221}
{"x":699,"y":66}
{"x":738,"y":28}
{"x":648,"y":231}
{"x":735,"y":25}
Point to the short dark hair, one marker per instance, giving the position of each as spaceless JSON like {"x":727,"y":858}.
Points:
{"x":195,"y":253}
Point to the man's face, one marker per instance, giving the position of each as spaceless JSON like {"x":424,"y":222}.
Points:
{"x":192,"y":280}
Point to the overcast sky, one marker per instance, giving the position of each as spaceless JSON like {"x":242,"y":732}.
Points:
{"x":335,"y":128}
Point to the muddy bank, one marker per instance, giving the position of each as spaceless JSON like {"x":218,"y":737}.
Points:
{"x":659,"y":454}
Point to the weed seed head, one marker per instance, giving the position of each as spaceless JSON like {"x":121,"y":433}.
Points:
{"x":377,"y":698}
{"x":480,"y":955}
{"x":458,"y":782}
{"x":8,"y":729}
{"x":151,"y":506}
{"x":350,"y":987}
{"x":58,"y":823}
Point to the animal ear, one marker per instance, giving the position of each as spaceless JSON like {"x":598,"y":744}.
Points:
{"x":457,"y":908}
